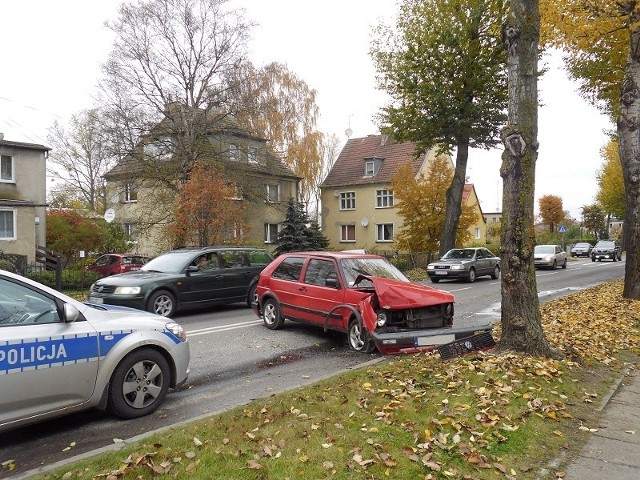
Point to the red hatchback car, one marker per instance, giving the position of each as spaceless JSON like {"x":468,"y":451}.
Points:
{"x":112,"y":263}
{"x":362,"y":295}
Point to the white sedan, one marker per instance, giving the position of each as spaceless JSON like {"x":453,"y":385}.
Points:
{"x":59,"y":356}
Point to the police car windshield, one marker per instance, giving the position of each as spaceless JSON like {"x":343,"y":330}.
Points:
{"x":172,"y":262}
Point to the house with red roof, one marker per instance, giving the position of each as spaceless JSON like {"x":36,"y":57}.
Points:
{"x":358,"y":206}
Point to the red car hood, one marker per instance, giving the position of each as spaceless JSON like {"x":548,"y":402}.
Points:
{"x":397,"y":295}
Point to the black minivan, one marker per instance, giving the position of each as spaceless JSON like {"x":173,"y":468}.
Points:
{"x":186,"y":278}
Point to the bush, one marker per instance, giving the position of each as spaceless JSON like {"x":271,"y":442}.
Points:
{"x":7,"y":265}
{"x":72,"y":278}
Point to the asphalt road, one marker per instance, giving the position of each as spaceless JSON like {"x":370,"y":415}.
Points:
{"x":235,"y":359}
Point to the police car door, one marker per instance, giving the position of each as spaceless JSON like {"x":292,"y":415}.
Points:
{"x":45,"y":363}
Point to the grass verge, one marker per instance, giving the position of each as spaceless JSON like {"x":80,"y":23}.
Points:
{"x":483,"y":416}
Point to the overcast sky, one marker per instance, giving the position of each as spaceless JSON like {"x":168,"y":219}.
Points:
{"x":52,"y":52}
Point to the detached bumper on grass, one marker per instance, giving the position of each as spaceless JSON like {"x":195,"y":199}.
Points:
{"x":449,"y":341}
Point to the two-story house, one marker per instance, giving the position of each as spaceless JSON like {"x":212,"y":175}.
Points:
{"x":357,"y":200}
{"x":23,"y":198}
{"x":260,"y":177}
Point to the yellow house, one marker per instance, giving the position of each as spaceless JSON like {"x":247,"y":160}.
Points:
{"x":356,"y":197}
{"x":261,"y":178}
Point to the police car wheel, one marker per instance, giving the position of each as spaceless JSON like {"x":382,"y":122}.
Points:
{"x":163,"y":303}
{"x":139,"y":384}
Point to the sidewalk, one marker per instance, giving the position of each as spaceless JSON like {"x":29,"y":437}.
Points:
{"x":613,"y":452}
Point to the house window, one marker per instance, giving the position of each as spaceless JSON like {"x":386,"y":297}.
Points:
{"x":384,"y":198}
{"x":384,"y":232}
{"x":131,"y":232}
{"x":237,"y":195}
{"x":477,"y":234}
{"x":347,"y":200}
{"x":252,"y":155}
{"x":6,"y":168}
{"x":234,"y":152}
{"x":271,"y":232}
{"x":273,"y":193}
{"x":347,"y":233}
{"x":238,"y":232}
{"x":8,"y":224}
{"x":131,"y":192}
{"x":369,"y":168}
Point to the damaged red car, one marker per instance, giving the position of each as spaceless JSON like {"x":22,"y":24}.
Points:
{"x":362,"y":295}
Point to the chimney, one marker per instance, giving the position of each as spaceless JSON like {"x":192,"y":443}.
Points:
{"x":1,"y":136}
{"x":383,"y":140}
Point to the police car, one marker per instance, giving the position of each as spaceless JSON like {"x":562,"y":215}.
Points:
{"x":58,"y":355}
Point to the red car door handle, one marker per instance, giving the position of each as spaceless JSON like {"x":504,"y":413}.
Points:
{"x":302,"y":289}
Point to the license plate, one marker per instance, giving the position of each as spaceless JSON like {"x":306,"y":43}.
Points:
{"x":433,"y":340}
{"x":96,"y":300}
{"x":441,"y":272}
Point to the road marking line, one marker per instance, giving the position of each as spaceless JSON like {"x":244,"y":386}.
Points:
{"x":222,"y":328}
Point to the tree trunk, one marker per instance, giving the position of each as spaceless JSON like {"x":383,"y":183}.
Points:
{"x":521,"y":320}
{"x":453,"y":208}
{"x":629,"y":144}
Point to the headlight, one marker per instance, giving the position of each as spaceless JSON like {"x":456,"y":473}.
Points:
{"x":430,"y":267}
{"x":177,"y":330}
{"x":382,"y":319}
{"x":548,"y":258}
{"x":457,"y":267}
{"x":126,"y":290}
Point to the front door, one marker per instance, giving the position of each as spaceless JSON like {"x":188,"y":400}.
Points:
{"x":320,"y":292}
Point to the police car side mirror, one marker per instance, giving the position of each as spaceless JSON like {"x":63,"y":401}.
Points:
{"x":71,"y":313}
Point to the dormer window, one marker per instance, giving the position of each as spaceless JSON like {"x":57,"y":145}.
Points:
{"x":372,"y":166}
{"x":369,"y":168}
{"x":160,"y":148}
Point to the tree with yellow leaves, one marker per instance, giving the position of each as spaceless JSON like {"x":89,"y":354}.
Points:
{"x":602,"y":39}
{"x":610,"y":182}
{"x":422,"y":206}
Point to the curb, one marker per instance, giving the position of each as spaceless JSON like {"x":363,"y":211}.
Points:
{"x":130,"y":441}
{"x":615,"y":387}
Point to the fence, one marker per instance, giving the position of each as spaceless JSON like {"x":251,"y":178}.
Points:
{"x":52,"y":269}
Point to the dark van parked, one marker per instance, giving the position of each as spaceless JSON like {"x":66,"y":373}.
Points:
{"x":186,"y":278}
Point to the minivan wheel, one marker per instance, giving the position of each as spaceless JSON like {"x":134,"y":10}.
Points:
{"x":271,"y":314}
{"x":496,"y":273}
{"x":139,"y":384}
{"x":359,"y":339}
{"x":162,"y":303}
{"x":251,"y":295}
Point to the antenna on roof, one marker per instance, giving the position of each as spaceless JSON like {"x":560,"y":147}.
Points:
{"x":348,"y":132}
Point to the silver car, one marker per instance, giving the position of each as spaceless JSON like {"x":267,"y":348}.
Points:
{"x":58,"y":355}
{"x":466,"y":264}
{"x":549,"y":256}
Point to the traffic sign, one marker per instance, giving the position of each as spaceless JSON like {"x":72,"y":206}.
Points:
{"x":562,"y":229}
